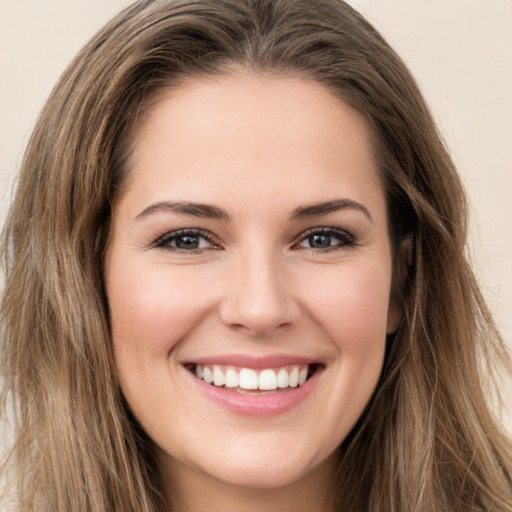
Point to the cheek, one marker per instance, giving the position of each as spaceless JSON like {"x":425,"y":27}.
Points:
{"x":150,"y":313}
{"x":353,"y":308}
{"x":352,"y":305}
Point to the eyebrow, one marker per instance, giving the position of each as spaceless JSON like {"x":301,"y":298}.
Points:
{"x":185,"y":208}
{"x":329,"y":207}
{"x":214,"y":212}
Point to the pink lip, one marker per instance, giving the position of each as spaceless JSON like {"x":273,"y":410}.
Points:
{"x":256,"y":405}
{"x":256,"y":363}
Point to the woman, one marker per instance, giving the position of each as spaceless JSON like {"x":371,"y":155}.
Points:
{"x":235,"y":277}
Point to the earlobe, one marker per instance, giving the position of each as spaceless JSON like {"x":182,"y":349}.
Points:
{"x":404,"y":261}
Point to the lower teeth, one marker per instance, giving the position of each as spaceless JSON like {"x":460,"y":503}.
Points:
{"x":255,"y":391}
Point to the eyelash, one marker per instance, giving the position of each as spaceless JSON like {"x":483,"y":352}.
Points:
{"x":346,"y":240}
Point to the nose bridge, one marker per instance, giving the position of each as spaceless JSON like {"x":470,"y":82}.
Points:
{"x":259,"y":296}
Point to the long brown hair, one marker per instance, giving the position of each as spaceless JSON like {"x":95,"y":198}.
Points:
{"x":426,"y":442}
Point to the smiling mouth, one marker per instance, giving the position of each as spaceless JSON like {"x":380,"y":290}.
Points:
{"x":254,"y":382}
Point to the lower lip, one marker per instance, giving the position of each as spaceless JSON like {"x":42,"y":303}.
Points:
{"x":258,"y":405}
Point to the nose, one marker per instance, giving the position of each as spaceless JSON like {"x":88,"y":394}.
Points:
{"x":259,"y":295}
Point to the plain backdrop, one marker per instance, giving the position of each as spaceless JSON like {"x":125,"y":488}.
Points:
{"x":459,"y":50}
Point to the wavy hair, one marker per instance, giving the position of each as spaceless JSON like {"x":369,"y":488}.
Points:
{"x":427,"y":441}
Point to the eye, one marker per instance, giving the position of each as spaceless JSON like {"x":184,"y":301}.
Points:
{"x":324,"y":239}
{"x":187,"y":240}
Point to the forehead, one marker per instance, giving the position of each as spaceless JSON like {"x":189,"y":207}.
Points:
{"x":267,"y":136}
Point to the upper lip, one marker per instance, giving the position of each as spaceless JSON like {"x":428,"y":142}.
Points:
{"x":254,"y":362}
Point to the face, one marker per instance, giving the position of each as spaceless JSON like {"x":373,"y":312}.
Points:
{"x":248,"y":277}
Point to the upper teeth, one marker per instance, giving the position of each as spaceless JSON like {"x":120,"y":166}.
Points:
{"x":247,"y":378}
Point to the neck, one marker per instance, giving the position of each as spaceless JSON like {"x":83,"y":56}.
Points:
{"x":188,"y":490}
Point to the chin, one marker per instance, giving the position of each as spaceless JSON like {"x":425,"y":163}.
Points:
{"x":256,"y":476}
{"x":259,"y":468}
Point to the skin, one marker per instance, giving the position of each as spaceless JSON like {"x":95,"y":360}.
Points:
{"x":258,"y":148}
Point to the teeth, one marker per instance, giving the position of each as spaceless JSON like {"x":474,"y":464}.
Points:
{"x":268,"y":379}
{"x":303,"y":375}
{"x":218,"y":376}
{"x":282,"y":378}
{"x":207,"y":375}
{"x":231,"y":378}
{"x":248,"y":379}
{"x":293,"y":377}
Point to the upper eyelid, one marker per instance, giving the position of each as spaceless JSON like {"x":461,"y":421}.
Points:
{"x":326,"y":229}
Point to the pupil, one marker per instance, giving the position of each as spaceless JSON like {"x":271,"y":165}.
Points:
{"x":187,"y":242}
{"x":320,"y":241}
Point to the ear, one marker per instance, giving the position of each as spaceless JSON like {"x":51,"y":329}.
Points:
{"x":404,"y":260}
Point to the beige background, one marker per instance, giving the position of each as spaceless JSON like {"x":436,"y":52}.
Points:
{"x":459,"y":50}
